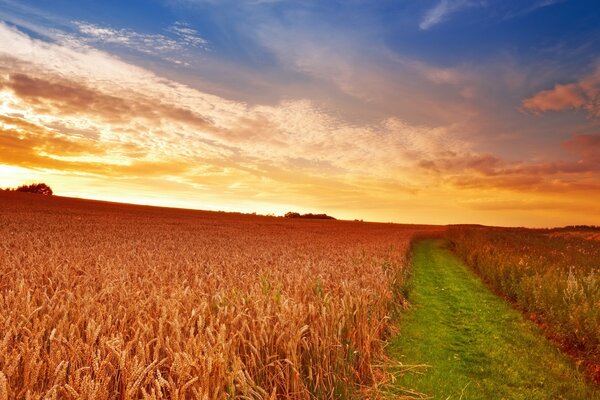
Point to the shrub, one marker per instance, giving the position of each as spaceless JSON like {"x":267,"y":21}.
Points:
{"x":37,"y":188}
{"x":308,"y":216}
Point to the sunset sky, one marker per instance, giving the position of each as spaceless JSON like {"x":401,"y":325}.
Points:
{"x":416,"y":111}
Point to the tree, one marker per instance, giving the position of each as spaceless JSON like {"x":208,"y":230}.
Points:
{"x":292,"y":214}
{"x":37,"y":188}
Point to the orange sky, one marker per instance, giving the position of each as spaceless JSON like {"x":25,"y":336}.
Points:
{"x":93,"y":125}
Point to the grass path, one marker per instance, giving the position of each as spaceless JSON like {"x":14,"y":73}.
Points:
{"x":476,"y":345}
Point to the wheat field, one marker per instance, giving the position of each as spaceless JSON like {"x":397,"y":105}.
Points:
{"x":108,"y":301}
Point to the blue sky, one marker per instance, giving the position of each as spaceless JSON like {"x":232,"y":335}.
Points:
{"x":511,"y":84}
{"x":460,"y":30}
{"x":444,"y":33}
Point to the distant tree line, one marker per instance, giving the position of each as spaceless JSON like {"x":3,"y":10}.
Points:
{"x":36,"y":188}
{"x":578,"y":228}
{"x":308,"y":216}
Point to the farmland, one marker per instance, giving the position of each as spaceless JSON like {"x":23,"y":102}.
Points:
{"x":105,"y":301}
{"x":113,"y":301}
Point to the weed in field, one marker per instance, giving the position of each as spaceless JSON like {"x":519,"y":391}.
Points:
{"x":553,"y":275}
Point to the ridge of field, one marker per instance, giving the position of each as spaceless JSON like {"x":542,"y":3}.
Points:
{"x":461,"y":341}
{"x":111,"y":301}
{"x":552,"y":275}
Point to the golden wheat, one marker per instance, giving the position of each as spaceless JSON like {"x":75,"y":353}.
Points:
{"x":101,"y":301}
{"x":3,"y":387}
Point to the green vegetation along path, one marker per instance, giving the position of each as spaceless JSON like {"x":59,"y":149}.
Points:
{"x":475,"y":344}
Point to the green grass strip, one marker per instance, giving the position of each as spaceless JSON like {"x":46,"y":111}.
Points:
{"x":475,"y":344}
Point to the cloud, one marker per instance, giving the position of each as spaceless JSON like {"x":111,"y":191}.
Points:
{"x":586,"y":147}
{"x":127,"y":121}
{"x":75,"y":111}
{"x":174,"y":45}
{"x":61,"y":88}
{"x":184,"y":36}
{"x":476,"y":170}
{"x":28,"y":145}
{"x":520,"y":12}
{"x":583,"y":94}
{"x":58,"y":96}
{"x":178,"y":43}
{"x":561,"y":97}
{"x":187,"y":34}
{"x":441,"y":11}
{"x":365,"y":80}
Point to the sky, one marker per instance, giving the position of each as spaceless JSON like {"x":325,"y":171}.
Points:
{"x":411,"y":111}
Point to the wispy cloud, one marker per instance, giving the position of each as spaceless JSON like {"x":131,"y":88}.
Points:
{"x":187,"y":34}
{"x":174,"y":45}
{"x":536,"y":5}
{"x":441,"y":11}
{"x":179,"y":36}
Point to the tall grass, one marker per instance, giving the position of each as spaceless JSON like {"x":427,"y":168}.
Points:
{"x":552,"y":274}
{"x":103,"y":301}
